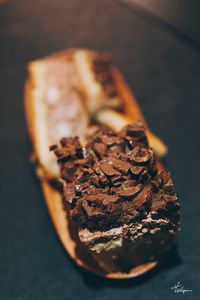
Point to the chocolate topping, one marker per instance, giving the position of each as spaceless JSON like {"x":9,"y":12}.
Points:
{"x":102,"y":69}
{"x":129,"y":192}
{"x":113,"y":180}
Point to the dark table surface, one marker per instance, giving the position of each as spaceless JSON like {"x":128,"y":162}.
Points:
{"x":164,"y":72}
{"x":181,"y":16}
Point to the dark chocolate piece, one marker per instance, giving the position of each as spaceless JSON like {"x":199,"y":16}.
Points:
{"x":114,"y":179}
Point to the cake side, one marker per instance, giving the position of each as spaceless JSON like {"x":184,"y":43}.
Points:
{"x":56,"y":105}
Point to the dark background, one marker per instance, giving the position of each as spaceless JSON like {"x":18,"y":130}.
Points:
{"x":164,"y":72}
{"x":181,"y":16}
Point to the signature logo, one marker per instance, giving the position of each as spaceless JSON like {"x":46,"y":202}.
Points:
{"x":179,"y":288}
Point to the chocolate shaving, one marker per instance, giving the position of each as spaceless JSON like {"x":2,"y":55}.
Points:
{"x":113,"y":180}
{"x":102,"y":69}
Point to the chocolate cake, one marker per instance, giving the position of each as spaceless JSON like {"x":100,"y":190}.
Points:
{"x":125,"y":210}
